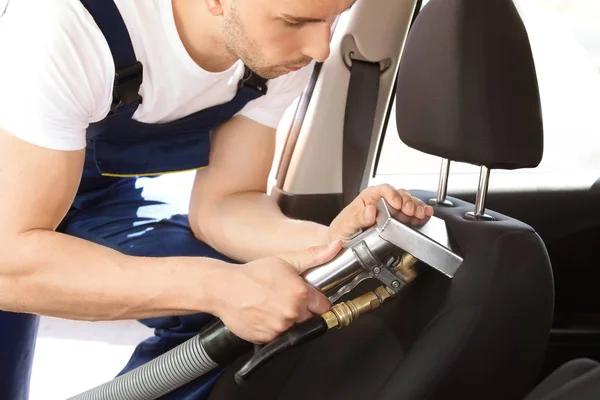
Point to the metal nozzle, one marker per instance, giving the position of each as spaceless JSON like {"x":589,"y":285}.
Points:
{"x":367,"y":255}
{"x":343,"y":268}
{"x":429,"y":241}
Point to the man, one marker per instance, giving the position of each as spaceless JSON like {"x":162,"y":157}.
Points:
{"x":95,"y":95}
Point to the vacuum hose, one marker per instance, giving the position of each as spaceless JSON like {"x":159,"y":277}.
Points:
{"x":217,"y":346}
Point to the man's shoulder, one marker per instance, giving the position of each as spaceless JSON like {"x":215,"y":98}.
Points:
{"x":48,"y":20}
{"x":47,"y":12}
{"x":56,"y":62}
{"x":65,"y":15}
{"x":53,"y":33}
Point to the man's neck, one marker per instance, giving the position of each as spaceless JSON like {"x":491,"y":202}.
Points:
{"x":199,"y":33}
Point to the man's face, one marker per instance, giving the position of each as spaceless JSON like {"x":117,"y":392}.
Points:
{"x":274,"y":37}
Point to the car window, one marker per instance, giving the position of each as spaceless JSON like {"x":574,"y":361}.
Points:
{"x":565,"y":41}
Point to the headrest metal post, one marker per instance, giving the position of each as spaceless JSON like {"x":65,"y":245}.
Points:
{"x":442,"y":186}
{"x":484,"y":180}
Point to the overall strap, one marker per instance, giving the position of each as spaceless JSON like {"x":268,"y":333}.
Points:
{"x":128,"y":70}
{"x":253,"y":81}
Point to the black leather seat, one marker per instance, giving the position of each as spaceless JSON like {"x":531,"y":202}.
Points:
{"x":575,"y":380}
{"x":467,"y":91}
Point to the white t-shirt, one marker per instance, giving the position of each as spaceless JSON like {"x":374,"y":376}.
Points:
{"x":56,"y":72}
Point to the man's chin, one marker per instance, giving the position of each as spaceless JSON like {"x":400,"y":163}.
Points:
{"x":275,"y":71}
{"x":272,"y":73}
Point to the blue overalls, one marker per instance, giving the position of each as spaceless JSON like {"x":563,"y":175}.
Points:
{"x":107,"y":204}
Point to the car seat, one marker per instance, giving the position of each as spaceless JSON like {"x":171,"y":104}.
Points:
{"x":466,"y":91}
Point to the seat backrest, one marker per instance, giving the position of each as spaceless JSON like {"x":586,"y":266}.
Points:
{"x":483,"y":334}
{"x":467,"y":91}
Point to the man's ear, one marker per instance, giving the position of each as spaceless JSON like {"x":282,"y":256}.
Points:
{"x":215,"y":7}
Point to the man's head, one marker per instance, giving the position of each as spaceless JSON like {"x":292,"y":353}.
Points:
{"x":274,"y":37}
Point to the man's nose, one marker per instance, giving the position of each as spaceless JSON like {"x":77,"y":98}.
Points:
{"x":316,"y":45}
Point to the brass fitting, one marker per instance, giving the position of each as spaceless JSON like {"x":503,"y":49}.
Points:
{"x":343,"y":314}
{"x":405,"y":268}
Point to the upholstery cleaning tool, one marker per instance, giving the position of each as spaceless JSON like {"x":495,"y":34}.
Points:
{"x":387,"y":252}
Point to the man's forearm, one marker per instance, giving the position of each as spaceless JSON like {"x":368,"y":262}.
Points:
{"x":250,"y":225}
{"x":48,"y":273}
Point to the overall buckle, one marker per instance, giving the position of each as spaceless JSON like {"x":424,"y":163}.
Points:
{"x":253,"y":80}
{"x":127,"y":85}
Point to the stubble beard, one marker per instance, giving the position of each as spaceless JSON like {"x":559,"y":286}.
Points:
{"x":240,"y":46}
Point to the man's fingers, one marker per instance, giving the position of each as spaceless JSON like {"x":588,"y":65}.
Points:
{"x":363,"y":218}
{"x":305,"y":316}
{"x":313,"y":256}
{"x":428,"y":211}
{"x":318,"y":303}
{"x":411,"y":206}
{"x":399,"y":199}
{"x":369,"y":216}
{"x":373,"y":194}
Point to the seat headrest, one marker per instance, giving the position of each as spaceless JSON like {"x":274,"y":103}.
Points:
{"x":467,"y":87}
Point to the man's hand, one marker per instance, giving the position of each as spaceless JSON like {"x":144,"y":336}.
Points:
{"x":362,"y":212}
{"x":267,"y":296}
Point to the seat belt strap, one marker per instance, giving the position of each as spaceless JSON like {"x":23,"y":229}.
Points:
{"x":359,"y":119}
{"x":128,"y":70}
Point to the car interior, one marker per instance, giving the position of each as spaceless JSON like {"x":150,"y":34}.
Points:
{"x":460,"y":79}
{"x":455,"y":81}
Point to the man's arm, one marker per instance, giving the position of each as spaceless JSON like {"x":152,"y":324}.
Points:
{"x":230,"y":209}
{"x":49,"y":273}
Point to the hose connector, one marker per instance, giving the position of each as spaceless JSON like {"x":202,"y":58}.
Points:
{"x":340,"y":316}
{"x":344,"y":314}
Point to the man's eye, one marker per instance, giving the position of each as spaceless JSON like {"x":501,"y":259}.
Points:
{"x":296,"y":25}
